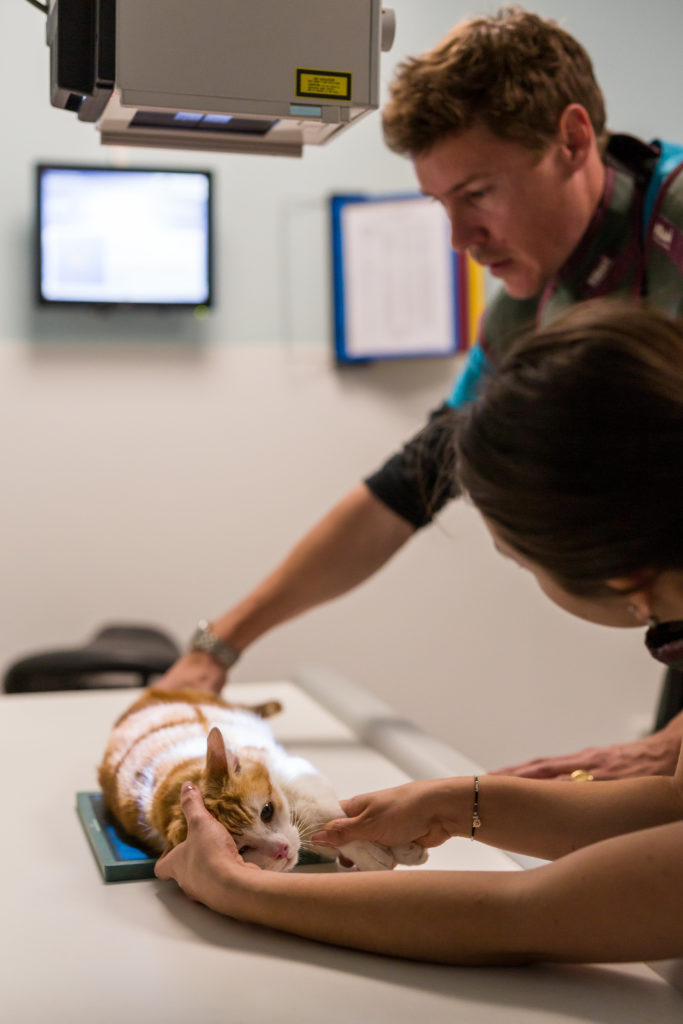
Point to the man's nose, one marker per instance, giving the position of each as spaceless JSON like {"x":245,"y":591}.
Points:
{"x":465,"y":232}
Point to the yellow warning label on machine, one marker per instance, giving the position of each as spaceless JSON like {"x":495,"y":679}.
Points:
{"x":323,"y":84}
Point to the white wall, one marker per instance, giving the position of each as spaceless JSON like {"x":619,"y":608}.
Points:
{"x":154,"y":467}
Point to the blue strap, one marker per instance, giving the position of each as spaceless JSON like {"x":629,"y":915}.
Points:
{"x":671,"y":156}
{"x":468,"y":382}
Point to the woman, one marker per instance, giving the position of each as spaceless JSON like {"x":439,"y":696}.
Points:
{"x":571,"y":456}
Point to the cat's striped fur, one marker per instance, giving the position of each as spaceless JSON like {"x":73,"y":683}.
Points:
{"x":270,"y":801}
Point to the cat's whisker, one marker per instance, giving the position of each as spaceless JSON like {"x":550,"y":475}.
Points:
{"x":311,"y":827}
{"x":306,"y":841}
{"x":306,"y":832}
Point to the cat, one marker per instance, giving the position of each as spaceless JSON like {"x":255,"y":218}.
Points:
{"x":270,"y":801}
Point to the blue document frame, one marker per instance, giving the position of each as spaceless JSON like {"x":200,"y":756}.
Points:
{"x":400,"y":292}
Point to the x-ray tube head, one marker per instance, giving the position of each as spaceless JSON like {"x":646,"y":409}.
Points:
{"x":240,"y":77}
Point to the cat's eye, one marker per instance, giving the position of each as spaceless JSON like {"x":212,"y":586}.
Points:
{"x":267,"y":812}
{"x":242,"y":850}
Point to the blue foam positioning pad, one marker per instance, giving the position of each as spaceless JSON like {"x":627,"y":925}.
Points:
{"x":119,"y":858}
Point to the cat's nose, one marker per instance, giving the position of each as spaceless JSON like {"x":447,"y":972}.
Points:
{"x":281,"y":852}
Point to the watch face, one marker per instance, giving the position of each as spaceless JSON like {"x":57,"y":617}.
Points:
{"x":205,"y":641}
{"x":201,"y":641}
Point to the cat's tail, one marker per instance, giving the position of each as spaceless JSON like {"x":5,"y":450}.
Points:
{"x":267,"y":710}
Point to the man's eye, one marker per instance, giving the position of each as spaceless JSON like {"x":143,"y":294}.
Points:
{"x":242,"y":850}
{"x":267,"y":812}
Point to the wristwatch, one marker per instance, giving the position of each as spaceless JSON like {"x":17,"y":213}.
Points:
{"x":204,"y":639}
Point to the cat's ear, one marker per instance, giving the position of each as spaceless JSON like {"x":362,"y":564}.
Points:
{"x":219,"y":761}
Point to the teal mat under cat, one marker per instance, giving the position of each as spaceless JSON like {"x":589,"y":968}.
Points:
{"x":120,"y":858}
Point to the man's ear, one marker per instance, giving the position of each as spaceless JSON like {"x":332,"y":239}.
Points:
{"x":576,"y":134}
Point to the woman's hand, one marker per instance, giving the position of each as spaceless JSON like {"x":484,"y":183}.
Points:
{"x":424,"y":812}
{"x":203,"y":861}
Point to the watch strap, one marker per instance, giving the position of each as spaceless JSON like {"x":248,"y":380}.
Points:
{"x":204,"y":639}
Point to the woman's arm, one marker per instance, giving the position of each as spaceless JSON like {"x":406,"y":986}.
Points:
{"x":541,"y":819}
{"x":618,"y":900}
{"x":551,"y":819}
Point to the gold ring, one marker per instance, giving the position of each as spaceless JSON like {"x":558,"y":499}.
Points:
{"x":581,"y":775}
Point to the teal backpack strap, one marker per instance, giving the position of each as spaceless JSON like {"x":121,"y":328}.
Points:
{"x":670,"y":157}
{"x":663,"y":232}
{"x":467,"y":384}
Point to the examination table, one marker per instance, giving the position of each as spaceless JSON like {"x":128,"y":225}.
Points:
{"x":75,"y":949}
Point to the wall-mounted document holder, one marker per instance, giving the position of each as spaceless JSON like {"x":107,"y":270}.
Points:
{"x":400,"y":291}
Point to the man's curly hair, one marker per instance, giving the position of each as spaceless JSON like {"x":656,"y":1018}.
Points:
{"x":513,"y":72}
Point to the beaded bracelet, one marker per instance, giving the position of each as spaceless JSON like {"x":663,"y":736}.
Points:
{"x":476,"y":820}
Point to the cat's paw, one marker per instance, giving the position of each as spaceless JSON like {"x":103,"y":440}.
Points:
{"x":411,"y":853}
{"x":367,"y":856}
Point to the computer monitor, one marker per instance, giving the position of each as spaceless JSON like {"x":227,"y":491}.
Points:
{"x":134,"y":236}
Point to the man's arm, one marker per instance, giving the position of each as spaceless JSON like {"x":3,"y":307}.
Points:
{"x":355,"y":539}
{"x":350,"y":543}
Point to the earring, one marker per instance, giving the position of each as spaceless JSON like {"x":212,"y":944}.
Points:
{"x":633,"y":609}
{"x":664,"y":641}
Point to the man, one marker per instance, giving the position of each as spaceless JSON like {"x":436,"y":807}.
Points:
{"x":505,"y":125}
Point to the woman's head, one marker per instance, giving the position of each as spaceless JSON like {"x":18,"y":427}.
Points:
{"x":572,"y":452}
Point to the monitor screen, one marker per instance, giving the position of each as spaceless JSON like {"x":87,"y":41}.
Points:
{"x":133,"y":236}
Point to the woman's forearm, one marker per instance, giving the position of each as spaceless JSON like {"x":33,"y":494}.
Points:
{"x":436,"y":916}
{"x":545,"y":819}
{"x":548,"y":819}
{"x":618,"y":900}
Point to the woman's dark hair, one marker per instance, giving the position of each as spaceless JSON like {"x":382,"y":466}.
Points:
{"x":572,"y":451}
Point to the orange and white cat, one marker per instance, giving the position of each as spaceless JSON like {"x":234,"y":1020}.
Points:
{"x":270,"y":801}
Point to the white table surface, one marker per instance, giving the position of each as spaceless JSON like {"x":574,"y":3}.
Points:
{"x":76,"y":950}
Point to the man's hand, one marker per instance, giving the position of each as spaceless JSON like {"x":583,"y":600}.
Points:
{"x":201,"y":862}
{"x":394,"y":817}
{"x":654,"y":755}
{"x":196,"y":670}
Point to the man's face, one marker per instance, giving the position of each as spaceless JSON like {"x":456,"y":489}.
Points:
{"x":519,"y":214}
